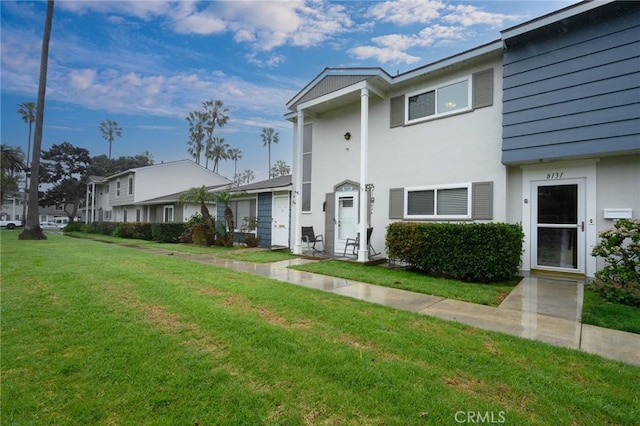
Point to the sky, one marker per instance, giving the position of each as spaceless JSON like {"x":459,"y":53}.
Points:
{"x":147,"y":63}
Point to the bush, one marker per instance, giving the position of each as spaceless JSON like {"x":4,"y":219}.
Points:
{"x":135,"y":230}
{"x":74,"y":227}
{"x":202,"y":235}
{"x":476,"y":252}
{"x":619,"y":280}
{"x":106,"y":228}
{"x":167,"y":232}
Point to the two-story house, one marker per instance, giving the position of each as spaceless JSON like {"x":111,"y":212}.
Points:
{"x":540,"y":127}
{"x":148,"y":194}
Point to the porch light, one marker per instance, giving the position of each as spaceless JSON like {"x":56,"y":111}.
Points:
{"x":347,"y":136}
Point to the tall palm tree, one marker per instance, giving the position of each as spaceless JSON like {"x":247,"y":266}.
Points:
{"x":196,"y":121}
{"x":110,"y":130}
{"x":32,"y":230}
{"x":269,"y":136}
{"x":219,"y":151}
{"x":234,"y":155}
{"x":27,"y":111}
{"x":215,"y":115}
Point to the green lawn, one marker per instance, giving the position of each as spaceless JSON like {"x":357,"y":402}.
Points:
{"x":597,"y":311}
{"x":484,"y":294}
{"x":96,"y":333}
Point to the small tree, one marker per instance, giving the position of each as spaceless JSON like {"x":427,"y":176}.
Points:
{"x":11,"y":163}
{"x":281,"y":168}
{"x":619,"y":280}
{"x":206,"y":229}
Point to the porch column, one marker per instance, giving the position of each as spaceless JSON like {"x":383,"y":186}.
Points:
{"x":363,"y":252}
{"x":298,"y":134}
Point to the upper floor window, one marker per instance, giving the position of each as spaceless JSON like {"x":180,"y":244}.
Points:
{"x":307,"y":156}
{"x":106,"y":189}
{"x":117,"y":188}
{"x":439,"y":101}
{"x":130,"y":190}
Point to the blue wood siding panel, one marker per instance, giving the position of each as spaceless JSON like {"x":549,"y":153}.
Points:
{"x":264,"y":218}
{"x":574,"y":90}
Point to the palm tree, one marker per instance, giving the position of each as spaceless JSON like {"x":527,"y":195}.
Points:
{"x":196,"y":121}
{"x":27,"y":111}
{"x":269,"y":136}
{"x":200,"y":196}
{"x":214,"y":115}
{"x":248,"y":176}
{"x":235,"y":154}
{"x":11,"y":162}
{"x":219,"y":151}
{"x":281,"y":168}
{"x":32,"y":230}
{"x":109,"y":131}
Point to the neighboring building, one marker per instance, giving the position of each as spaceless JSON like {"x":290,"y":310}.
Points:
{"x":11,"y":208}
{"x":148,"y":194}
{"x":553,"y":144}
{"x":265,"y":205}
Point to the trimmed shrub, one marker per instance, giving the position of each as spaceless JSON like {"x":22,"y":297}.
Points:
{"x":74,"y":227}
{"x":476,"y":252}
{"x":201,"y":235}
{"x":619,"y":280}
{"x":135,"y":230}
{"x":166,"y":232}
{"x":106,"y":228}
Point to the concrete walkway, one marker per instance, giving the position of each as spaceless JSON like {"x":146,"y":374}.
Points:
{"x":545,"y":309}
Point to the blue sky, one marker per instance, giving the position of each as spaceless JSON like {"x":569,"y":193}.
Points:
{"x":146,"y":64}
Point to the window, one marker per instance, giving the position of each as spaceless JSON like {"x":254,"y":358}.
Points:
{"x":130,"y":186}
{"x":138,"y":215}
{"x":168,"y":214}
{"x":307,"y":149}
{"x":438,"y":101}
{"x":438,"y":202}
{"x":107,"y":215}
{"x":106,"y":189}
{"x":242,"y":209}
{"x":59,"y":207}
{"x":124,"y":215}
{"x":117,"y":188}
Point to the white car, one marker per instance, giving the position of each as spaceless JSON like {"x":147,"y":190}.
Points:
{"x":51,"y":225}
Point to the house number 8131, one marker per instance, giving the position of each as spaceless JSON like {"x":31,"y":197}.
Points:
{"x":554,"y":175}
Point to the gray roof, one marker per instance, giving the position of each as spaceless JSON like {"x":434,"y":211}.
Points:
{"x":269,"y":184}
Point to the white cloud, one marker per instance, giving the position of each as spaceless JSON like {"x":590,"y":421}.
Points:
{"x":468,"y":15}
{"x":144,"y":9}
{"x":382,"y":54}
{"x":82,"y":79}
{"x":405,"y":12}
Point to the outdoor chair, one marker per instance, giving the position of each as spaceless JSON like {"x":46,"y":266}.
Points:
{"x":310,"y":238}
{"x":355,"y":243}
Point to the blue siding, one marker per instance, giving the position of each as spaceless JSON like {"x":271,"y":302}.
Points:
{"x":574,"y":89}
{"x":264,"y":218}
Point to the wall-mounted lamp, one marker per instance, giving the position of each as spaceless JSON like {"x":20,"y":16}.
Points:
{"x":347,"y":136}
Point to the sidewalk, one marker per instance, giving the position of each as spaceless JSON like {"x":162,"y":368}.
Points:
{"x":538,"y":308}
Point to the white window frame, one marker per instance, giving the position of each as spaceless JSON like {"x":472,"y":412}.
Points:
{"x":468,"y":78}
{"x":435,"y":188}
{"x":238,"y":220}
{"x":164,"y":214}
{"x":118,"y":185}
{"x":107,"y":214}
{"x":306,"y":183}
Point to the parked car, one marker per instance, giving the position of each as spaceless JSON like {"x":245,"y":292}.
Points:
{"x":10,"y":224}
{"x":51,"y":225}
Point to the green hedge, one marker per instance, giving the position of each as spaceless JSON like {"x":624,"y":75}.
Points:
{"x":167,"y":232}
{"x":136,"y":230}
{"x":476,"y":252}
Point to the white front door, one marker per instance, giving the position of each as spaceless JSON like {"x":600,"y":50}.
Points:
{"x":280,"y":223}
{"x":558,"y":225}
{"x":346,"y":218}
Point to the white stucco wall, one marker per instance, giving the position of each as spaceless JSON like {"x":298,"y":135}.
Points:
{"x":463,"y":148}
